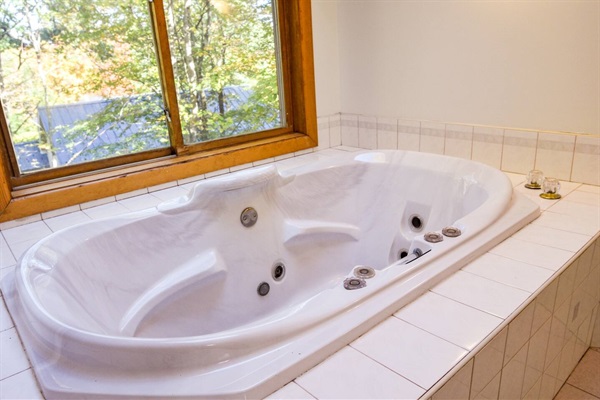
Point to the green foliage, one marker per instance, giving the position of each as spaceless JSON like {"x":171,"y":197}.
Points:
{"x":55,"y":52}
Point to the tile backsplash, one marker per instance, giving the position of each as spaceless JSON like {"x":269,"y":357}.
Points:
{"x":564,"y":155}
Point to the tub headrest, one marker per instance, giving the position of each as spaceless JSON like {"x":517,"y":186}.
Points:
{"x":203,"y":192}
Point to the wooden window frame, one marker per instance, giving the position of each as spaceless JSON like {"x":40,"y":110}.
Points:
{"x":20,"y":197}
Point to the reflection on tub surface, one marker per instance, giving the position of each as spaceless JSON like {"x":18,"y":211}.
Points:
{"x":188,"y":300}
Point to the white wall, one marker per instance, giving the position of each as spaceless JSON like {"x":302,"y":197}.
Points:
{"x":327,"y":67}
{"x":524,"y":64}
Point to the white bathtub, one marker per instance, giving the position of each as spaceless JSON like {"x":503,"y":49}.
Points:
{"x":166,"y":303}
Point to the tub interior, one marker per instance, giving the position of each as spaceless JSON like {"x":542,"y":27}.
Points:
{"x":160,"y":275}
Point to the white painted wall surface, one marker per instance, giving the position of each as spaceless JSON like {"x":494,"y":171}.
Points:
{"x":525,"y":64}
{"x":327,"y":58}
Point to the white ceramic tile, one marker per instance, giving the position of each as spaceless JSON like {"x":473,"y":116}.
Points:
{"x":139,"y":203}
{"x":455,"y":322}
{"x":409,"y":135}
{"x":488,"y":364}
{"x":534,"y":393}
{"x":387,"y":133}
{"x":536,"y":354}
{"x":107,"y":210}
{"x":457,"y":387}
{"x":18,"y":249}
{"x":544,"y":306}
{"x":459,"y":141}
{"x":589,"y":189}
{"x":555,"y":154}
{"x":519,"y":331}
{"x":34,"y":231}
{"x":581,"y":224}
{"x":515,"y":179}
{"x":556,"y":340}
{"x":432,"y":137}
{"x":5,"y":319}
{"x":5,"y":271}
{"x":21,"y":221}
{"x":584,"y":265}
{"x":6,"y":256}
{"x":162,"y":186}
{"x":566,"y":363}
{"x":133,"y":193}
{"x":518,"y":153}
{"x":509,"y":272}
{"x":481,"y":293}
{"x":586,"y":161}
{"x":216,"y":173}
{"x":191,"y":179}
{"x":552,"y":237}
{"x":490,"y":392}
{"x":291,"y":163}
{"x":60,"y":211}
{"x":20,"y":386}
{"x":533,"y":253}
{"x":232,"y":169}
{"x":566,"y":283}
{"x":170,"y":193}
{"x":291,"y":391}
{"x":487,"y":145}
{"x":12,"y":356}
{"x":575,"y":209}
{"x":296,"y":154}
{"x":409,"y":351}
{"x":348,"y":149}
{"x":335,"y":130}
{"x":67,"y":220}
{"x":584,"y":197}
{"x":367,"y":132}
{"x":511,"y":382}
{"x":549,"y":381}
{"x":349,"y":130}
{"x":345,"y":369}
{"x":98,"y":202}
{"x":323,"y":133}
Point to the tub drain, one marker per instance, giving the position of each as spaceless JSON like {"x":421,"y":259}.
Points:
{"x":354,"y":283}
{"x":278,"y":271}
{"x":362,"y":271}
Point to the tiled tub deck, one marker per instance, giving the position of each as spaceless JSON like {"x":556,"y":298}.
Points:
{"x":511,"y":324}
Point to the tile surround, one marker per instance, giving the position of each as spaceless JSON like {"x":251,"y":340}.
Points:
{"x":563,"y":155}
{"x":526,"y":354}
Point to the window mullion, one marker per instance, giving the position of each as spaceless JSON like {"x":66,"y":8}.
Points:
{"x":6,"y":143}
{"x":167,"y":77}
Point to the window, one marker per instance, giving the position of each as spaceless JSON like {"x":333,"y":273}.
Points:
{"x":105,"y":97}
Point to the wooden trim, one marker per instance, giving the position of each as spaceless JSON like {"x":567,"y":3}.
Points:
{"x":9,"y":156}
{"x":7,"y":161}
{"x":66,"y":172}
{"x":167,"y":77}
{"x":299,"y":65}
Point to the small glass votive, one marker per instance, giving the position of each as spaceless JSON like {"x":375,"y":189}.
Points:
{"x":535,"y":177}
{"x":550,"y":189}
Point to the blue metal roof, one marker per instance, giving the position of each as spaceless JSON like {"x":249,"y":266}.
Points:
{"x":123,"y":126}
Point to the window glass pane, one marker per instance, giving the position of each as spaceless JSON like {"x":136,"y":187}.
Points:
{"x":79,"y":80}
{"x":225,"y":67}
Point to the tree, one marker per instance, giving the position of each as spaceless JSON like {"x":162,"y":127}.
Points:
{"x":72,"y":51}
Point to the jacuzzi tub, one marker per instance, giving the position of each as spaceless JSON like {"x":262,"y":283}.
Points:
{"x":186,"y":301}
